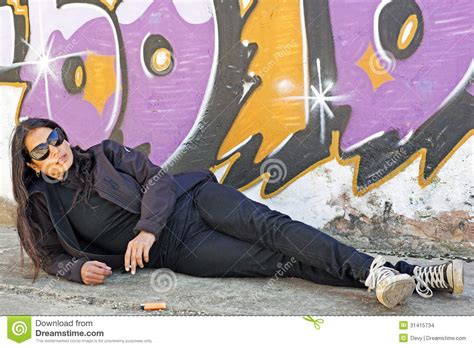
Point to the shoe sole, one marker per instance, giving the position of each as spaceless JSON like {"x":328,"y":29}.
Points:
{"x":458,"y":277}
{"x":397,"y":291}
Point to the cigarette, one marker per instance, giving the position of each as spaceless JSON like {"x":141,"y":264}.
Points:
{"x":153,"y":306}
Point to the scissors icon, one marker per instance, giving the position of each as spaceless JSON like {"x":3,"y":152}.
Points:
{"x":316,"y":322}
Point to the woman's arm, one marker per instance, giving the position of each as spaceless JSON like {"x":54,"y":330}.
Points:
{"x":57,"y":261}
{"x":159,"y":194}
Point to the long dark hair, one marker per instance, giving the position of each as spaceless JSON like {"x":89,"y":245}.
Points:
{"x":22,"y":175}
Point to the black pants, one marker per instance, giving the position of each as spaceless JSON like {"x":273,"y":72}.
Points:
{"x":216,"y":231}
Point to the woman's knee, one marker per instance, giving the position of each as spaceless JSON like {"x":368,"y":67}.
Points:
{"x":215,"y":193}
{"x":217,"y":202}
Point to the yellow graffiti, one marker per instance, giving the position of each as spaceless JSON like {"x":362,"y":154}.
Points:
{"x":110,"y":4}
{"x":276,"y":28}
{"x":410,"y":25}
{"x":21,"y":10}
{"x":282,"y":75}
{"x":101,"y":80}
{"x":244,"y":6}
{"x":161,"y":60}
{"x":79,"y":76}
{"x":373,"y":67}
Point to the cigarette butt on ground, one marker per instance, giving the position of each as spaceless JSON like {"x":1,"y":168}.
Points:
{"x":153,"y":306}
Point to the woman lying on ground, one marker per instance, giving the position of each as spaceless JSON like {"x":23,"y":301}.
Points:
{"x":82,"y":213}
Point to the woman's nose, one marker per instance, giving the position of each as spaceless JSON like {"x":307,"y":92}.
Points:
{"x":54,"y":151}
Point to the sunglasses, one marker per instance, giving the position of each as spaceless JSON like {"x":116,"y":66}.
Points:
{"x":41,"y":151}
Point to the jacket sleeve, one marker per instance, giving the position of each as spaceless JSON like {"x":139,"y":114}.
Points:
{"x":158,"y":187}
{"x":56,"y":261}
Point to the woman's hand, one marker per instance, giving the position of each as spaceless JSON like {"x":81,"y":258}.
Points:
{"x":138,"y":250}
{"x":94,"y":272}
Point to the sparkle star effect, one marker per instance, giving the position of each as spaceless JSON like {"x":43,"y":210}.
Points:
{"x":320,"y":97}
{"x":43,"y":63}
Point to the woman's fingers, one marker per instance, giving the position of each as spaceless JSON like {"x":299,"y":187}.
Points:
{"x":128,"y":254}
{"x":95,"y":272}
{"x":133,"y":259}
{"x":102,"y":271}
{"x":138,"y":251}
{"x":146,"y":253}
{"x":101,"y":264}
{"x":139,"y":256}
{"x":93,"y":278}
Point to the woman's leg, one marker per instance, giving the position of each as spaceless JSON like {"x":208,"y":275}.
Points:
{"x":227,"y":210}
{"x":210,"y":253}
{"x":189,"y":245}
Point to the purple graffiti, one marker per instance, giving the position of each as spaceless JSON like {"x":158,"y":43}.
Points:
{"x":420,"y":84}
{"x":156,"y":109}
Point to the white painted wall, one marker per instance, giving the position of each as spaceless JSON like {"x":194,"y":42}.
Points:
{"x":9,"y":100}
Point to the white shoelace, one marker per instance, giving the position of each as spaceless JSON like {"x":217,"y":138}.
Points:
{"x":429,"y":276}
{"x":377,"y":272}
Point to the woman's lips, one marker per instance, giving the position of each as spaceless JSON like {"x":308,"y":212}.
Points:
{"x":62,"y":159}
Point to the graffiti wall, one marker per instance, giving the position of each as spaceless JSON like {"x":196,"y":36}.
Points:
{"x":342,"y":103}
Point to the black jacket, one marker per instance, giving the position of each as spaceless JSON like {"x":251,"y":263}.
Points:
{"x":122,"y":175}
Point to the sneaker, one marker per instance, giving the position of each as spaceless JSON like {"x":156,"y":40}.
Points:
{"x":448,"y":276}
{"x":391,"y":286}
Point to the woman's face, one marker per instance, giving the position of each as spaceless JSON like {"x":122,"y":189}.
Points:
{"x":51,"y":165}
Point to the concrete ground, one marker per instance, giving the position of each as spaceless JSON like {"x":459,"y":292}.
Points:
{"x":186,"y":295}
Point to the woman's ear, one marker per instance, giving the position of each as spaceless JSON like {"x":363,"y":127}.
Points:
{"x":32,"y":166}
